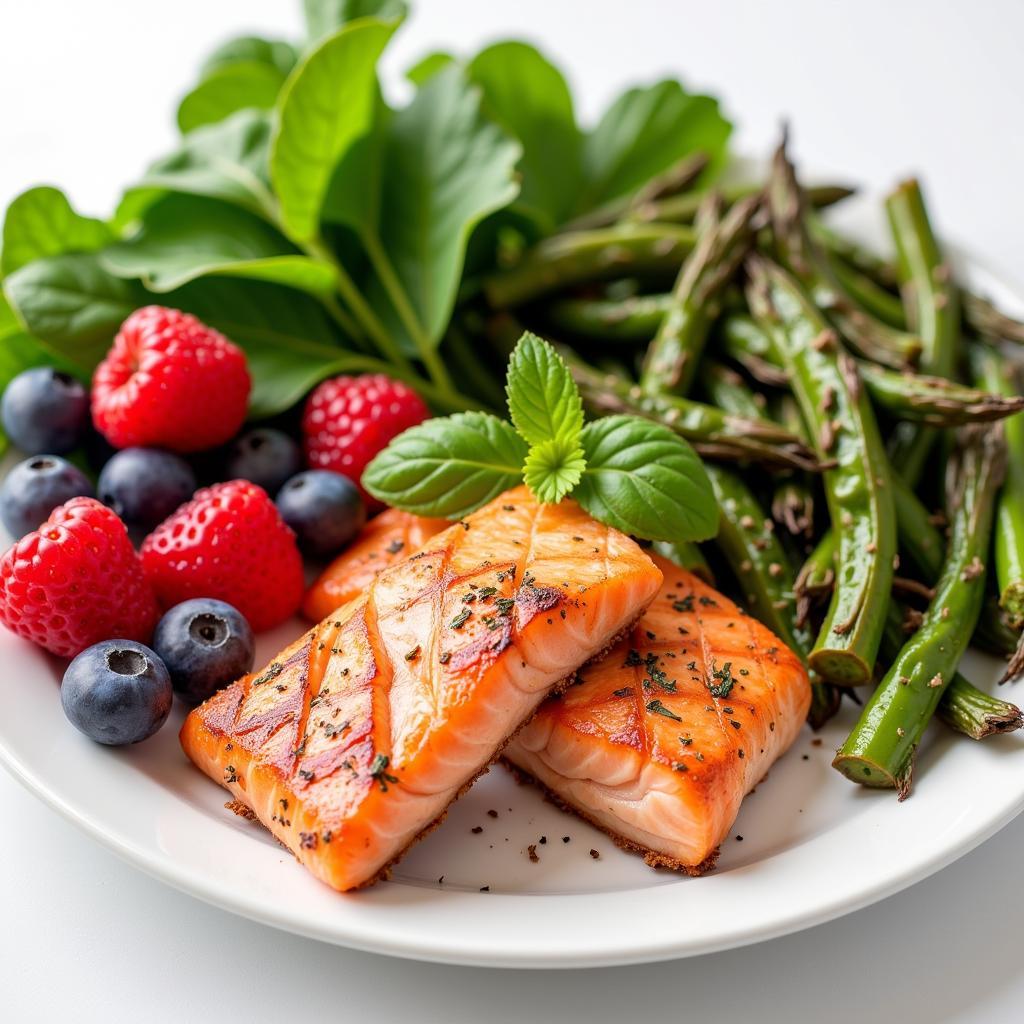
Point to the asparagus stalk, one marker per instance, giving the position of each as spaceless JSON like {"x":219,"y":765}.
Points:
{"x":797,"y":250}
{"x":839,"y":417}
{"x":634,"y":319}
{"x":583,"y":256}
{"x":729,"y":391}
{"x":747,"y":539}
{"x":880,"y":750}
{"x":712,"y":432}
{"x":670,"y":182}
{"x":683,"y":209}
{"x":722,"y":243}
{"x":687,"y":555}
{"x":963,"y":707}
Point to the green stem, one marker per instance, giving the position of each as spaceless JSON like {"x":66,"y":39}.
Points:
{"x":403,"y":307}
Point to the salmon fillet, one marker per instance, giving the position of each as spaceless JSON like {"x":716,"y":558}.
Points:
{"x":659,"y":741}
{"x":385,"y":539}
{"x":355,"y":739}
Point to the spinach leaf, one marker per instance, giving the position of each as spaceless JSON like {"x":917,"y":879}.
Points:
{"x":449,"y":466}
{"x":645,"y":480}
{"x":645,"y":131}
{"x":227,"y":89}
{"x":184,"y":237}
{"x":553,"y":468}
{"x":542,"y":396}
{"x":327,"y":104}
{"x":41,"y":222}
{"x":324,"y":17}
{"x":273,"y":52}
{"x":440,"y":167}
{"x":228,"y":160}
{"x":528,"y":96}
{"x":72,"y":304}
{"x":428,"y":66}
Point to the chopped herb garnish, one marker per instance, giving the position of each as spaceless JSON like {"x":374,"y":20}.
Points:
{"x":657,"y":708}
{"x":486,"y":592}
{"x":626,"y":691}
{"x":272,"y":672}
{"x":633,"y":659}
{"x":684,"y":604}
{"x":413,"y":654}
{"x":394,"y":547}
{"x":378,"y":771}
{"x":460,"y":620}
{"x":725,"y":681}
{"x":446,"y":656}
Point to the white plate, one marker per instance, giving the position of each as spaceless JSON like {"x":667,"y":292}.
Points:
{"x":813,"y":846}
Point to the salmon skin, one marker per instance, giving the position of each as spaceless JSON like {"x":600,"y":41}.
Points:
{"x":354,"y":740}
{"x":658,"y":742}
{"x":385,"y":539}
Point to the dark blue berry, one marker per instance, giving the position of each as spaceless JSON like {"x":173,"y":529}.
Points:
{"x":206,"y":645}
{"x":145,"y":485}
{"x":117,"y":692}
{"x":265,"y":457}
{"x":35,"y":487}
{"x":44,"y":410}
{"x":324,"y":509}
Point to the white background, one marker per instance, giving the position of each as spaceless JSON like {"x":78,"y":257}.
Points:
{"x":874,"y":90}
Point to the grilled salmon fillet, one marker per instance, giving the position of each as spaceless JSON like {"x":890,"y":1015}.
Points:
{"x":659,"y":741}
{"x":355,"y":739}
{"x":385,"y":538}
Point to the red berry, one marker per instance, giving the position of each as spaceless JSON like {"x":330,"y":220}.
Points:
{"x":169,"y":382}
{"x":227,"y":543}
{"x":76,"y":581}
{"x":347,"y":420}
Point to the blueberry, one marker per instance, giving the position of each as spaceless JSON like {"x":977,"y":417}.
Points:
{"x":324,"y":509}
{"x":145,"y":485}
{"x":265,"y":457}
{"x":44,"y":410}
{"x":35,"y":487}
{"x":117,"y":692}
{"x":205,"y":645}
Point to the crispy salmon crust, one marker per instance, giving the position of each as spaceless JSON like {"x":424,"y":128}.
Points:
{"x":659,"y":741}
{"x":355,"y":739}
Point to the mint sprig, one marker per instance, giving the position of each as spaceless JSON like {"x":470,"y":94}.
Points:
{"x":629,"y":473}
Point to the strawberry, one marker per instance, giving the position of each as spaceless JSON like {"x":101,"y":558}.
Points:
{"x":76,"y":581}
{"x":227,"y":543}
{"x":169,"y":382}
{"x":348,"y":420}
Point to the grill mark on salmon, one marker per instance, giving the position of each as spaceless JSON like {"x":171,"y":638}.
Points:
{"x":355,"y":740}
{"x":644,"y":748}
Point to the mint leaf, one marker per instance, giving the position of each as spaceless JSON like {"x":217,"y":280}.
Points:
{"x":645,"y":480}
{"x":426,"y":67}
{"x":273,"y":52}
{"x":41,"y":222}
{"x":448,"y":467}
{"x":553,"y":468}
{"x":542,"y":396}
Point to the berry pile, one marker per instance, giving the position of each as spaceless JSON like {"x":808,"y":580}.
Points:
{"x":165,"y":414}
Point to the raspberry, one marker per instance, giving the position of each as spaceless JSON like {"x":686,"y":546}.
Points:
{"x":169,"y":381}
{"x":348,"y":420}
{"x":76,"y":581}
{"x":227,"y":543}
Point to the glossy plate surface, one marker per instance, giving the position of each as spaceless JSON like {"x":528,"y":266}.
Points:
{"x":807,"y":847}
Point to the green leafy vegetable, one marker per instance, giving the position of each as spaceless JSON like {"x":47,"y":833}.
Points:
{"x":327,"y":103}
{"x":41,"y":222}
{"x":226,"y":161}
{"x":428,"y":66}
{"x":324,"y":17}
{"x":273,"y":52}
{"x":414,"y":194}
{"x":645,"y":480}
{"x":542,"y":396}
{"x":553,"y":468}
{"x":184,"y":237}
{"x":645,"y":131}
{"x":448,"y":467}
{"x":527,"y":95}
{"x":227,"y":89}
